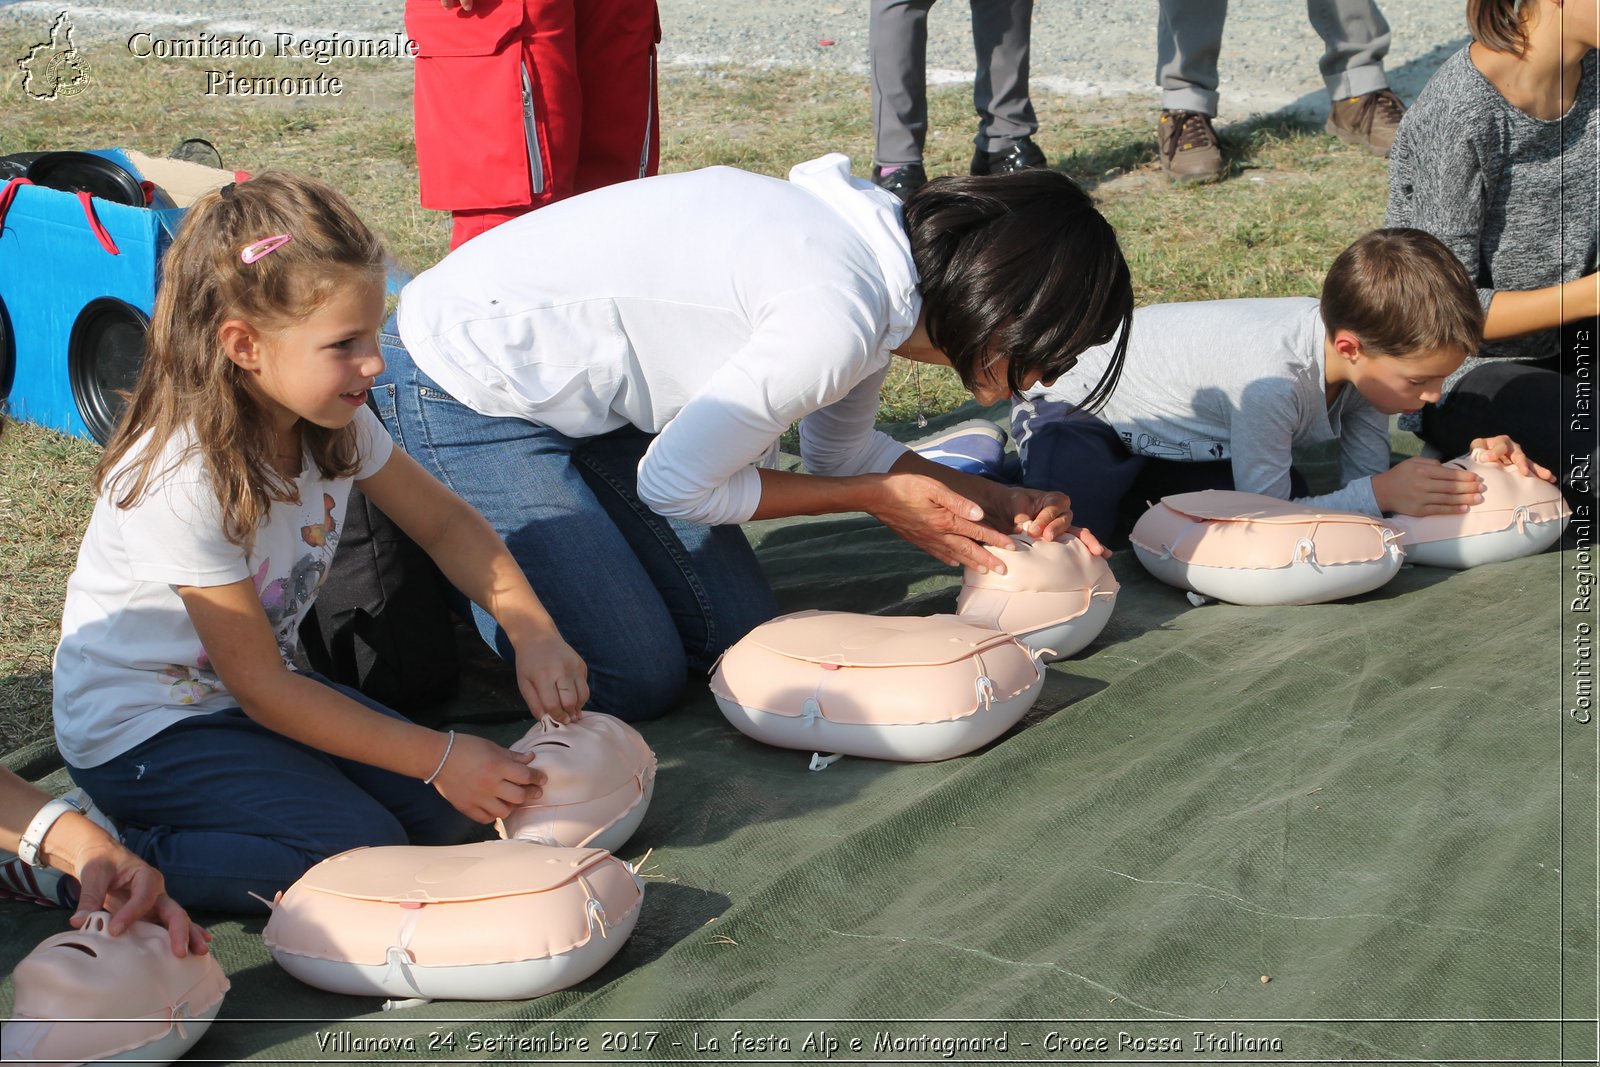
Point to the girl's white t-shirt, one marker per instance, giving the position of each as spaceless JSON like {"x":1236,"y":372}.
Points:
{"x":130,"y":663}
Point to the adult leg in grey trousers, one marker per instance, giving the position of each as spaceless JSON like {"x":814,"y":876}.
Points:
{"x":898,"y":43}
{"x":1189,"y":39}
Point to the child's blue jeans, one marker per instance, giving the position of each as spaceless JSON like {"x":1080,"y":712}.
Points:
{"x":224,"y":807}
{"x":643,"y":599}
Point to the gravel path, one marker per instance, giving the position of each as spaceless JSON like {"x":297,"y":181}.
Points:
{"x":1269,"y":57}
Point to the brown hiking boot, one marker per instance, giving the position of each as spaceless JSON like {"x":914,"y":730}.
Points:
{"x":1190,"y":151}
{"x":1369,"y":119}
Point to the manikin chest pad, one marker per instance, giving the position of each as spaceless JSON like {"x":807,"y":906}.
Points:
{"x":84,"y":995}
{"x":599,"y":776}
{"x":882,"y":686}
{"x":1519,"y":516}
{"x":1055,"y":596}
{"x":494,"y":920}
{"x":1247,"y":548}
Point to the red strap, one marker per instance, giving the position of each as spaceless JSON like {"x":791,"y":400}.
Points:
{"x":8,"y":194}
{"x":94,"y":224}
{"x":149,"y":188}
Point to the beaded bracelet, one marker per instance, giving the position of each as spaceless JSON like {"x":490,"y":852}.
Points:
{"x":447,"y":747}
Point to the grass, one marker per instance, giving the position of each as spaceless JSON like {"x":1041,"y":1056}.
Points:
{"x":1294,"y":198}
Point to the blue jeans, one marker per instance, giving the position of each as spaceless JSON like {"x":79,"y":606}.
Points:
{"x":643,"y":599}
{"x":224,"y":807}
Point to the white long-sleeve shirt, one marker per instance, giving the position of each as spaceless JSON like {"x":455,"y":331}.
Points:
{"x":1236,"y":380}
{"x":714,"y":308}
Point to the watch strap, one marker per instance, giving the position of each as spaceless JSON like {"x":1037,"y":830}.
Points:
{"x":33,"y":836}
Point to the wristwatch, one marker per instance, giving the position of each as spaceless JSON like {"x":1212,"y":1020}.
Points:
{"x":33,"y":836}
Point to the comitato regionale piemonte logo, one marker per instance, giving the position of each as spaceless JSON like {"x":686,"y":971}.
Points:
{"x":54,"y":69}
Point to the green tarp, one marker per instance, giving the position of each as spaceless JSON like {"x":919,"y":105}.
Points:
{"x":1357,"y":832}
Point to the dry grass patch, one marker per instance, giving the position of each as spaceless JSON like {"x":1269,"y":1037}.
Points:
{"x":45,"y":502}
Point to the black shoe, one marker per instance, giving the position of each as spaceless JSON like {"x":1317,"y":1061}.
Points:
{"x":902,"y":181}
{"x":1019,"y":155}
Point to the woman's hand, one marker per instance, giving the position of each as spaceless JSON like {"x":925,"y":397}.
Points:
{"x":1506,"y":452}
{"x":1041,"y":515}
{"x":552,"y":678}
{"x":942,"y":522}
{"x":485,"y":782}
{"x":110,"y":878}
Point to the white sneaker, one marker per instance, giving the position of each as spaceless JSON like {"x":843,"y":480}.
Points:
{"x":976,"y":446}
{"x":40,"y":885}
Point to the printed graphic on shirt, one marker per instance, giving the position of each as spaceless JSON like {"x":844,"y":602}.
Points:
{"x":1200,"y":450}
{"x":189,"y":685}
{"x":283,"y":599}
{"x":318,"y":535}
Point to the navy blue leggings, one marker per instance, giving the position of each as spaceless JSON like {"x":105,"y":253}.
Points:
{"x":224,"y":807}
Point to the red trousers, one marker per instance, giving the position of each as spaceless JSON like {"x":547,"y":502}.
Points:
{"x":520,"y":103}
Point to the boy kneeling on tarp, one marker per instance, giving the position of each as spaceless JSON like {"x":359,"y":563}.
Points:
{"x":1216,"y":394}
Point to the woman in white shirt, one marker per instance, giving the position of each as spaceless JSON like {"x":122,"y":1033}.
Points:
{"x":601,"y":379}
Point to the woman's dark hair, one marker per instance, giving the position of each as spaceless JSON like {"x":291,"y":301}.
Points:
{"x":1019,"y":267}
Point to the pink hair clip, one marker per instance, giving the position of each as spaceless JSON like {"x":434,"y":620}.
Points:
{"x":264,"y":247}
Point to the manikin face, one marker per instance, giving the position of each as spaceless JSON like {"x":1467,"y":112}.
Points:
{"x":1398,"y":385}
{"x":320,"y":368}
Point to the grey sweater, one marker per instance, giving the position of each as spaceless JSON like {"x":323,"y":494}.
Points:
{"x":1514,"y":197}
{"x":1236,"y":380}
